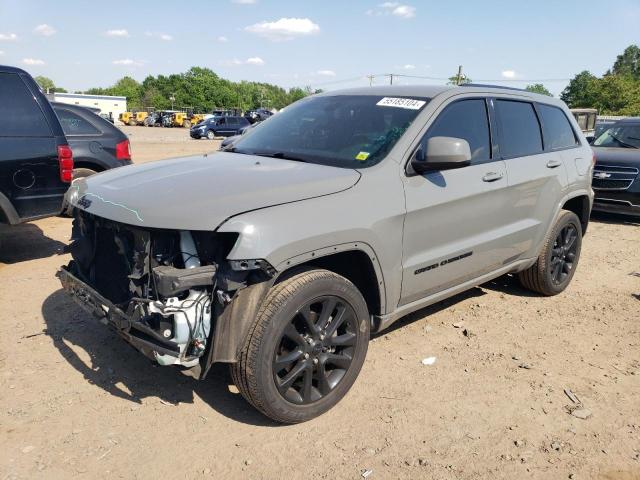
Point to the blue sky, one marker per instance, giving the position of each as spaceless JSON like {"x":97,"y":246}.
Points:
{"x":328,"y":44}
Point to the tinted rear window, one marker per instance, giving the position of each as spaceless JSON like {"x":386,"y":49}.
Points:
{"x":519,"y":129}
{"x":556,"y":127}
{"x":21,"y":116}
{"x":73,"y":124}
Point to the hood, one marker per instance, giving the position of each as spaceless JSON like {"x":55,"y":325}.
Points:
{"x":622,"y":157}
{"x":201,"y":192}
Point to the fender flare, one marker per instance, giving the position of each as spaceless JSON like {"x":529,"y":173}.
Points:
{"x":8,"y":210}
{"x":234,"y":321}
{"x":569,"y":196}
{"x":339,"y":248}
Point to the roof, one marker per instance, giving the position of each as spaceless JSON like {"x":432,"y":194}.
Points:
{"x":71,"y":106}
{"x":8,"y":69}
{"x":430,"y":91}
{"x":82,"y":95}
{"x":632,"y":120}
{"x":425,"y":91}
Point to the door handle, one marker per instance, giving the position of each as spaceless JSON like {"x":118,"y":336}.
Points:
{"x":492,"y":177}
{"x":553,"y":163}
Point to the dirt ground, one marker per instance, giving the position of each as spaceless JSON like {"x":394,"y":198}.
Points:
{"x":75,"y":401}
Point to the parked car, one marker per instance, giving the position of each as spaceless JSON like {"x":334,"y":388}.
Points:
{"x":97,"y":144}
{"x":154,"y":119}
{"x":335,"y":218}
{"x":601,"y":126}
{"x":219,"y":127}
{"x":36,"y":162}
{"x":258,"y":115}
{"x":616,"y":179}
{"x":227,"y":142}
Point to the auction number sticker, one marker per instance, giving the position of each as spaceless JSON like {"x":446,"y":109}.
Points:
{"x":408,"y":103}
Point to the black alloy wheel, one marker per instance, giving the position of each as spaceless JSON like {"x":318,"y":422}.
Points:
{"x":315,"y":350}
{"x":563,"y":254}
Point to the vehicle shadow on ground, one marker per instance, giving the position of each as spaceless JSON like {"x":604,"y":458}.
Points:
{"x":506,"y":284}
{"x":509,"y":285}
{"x":20,"y":243}
{"x":614,"y":219}
{"x":125,"y":373}
{"x":430,"y":310}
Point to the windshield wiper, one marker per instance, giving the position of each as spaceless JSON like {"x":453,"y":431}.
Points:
{"x":624,"y":144}
{"x":282,"y":155}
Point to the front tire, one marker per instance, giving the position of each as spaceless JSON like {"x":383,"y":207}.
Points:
{"x":558,"y":260}
{"x":305,"y":348}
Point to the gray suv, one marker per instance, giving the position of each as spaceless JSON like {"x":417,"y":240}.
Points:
{"x":338,"y":216}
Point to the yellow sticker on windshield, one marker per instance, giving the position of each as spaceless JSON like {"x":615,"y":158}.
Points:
{"x":362,"y":156}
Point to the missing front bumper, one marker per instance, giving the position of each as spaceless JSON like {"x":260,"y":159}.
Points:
{"x":141,"y":337}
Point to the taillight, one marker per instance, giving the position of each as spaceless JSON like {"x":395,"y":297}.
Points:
{"x":123,"y":150}
{"x":65,"y":160}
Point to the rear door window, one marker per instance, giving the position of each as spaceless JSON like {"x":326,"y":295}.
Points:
{"x":466,"y":119}
{"x":556,"y":127}
{"x":21,"y":115}
{"x":519,"y":128}
{"x":73,"y":124}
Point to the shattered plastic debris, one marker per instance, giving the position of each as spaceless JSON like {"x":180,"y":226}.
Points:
{"x":366,"y":473}
{"x":429,"y":361}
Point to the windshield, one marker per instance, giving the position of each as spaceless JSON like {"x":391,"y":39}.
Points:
{"x":348,"y":131}
{"x":621,"y":136}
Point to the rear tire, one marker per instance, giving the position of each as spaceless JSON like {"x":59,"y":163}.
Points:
{"x":558,"y":260}
{"x":186,"y":124}
{"x":305,"y":348}
{"x":132,"y":123}
{"x":211,"y":135}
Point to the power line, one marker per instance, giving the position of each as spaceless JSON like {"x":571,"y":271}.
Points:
{"x":391,"y":76}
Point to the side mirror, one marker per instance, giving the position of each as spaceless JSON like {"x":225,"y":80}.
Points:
{"x":441,"y":153}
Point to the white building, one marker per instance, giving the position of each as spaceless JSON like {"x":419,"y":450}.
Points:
{"x":106,"y":103}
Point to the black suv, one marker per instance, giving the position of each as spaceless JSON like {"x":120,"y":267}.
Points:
{"x":36,"y":164}
{"x":616,"y":177}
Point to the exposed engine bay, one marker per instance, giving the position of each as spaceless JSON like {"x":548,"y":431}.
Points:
{"x":163,"y":290}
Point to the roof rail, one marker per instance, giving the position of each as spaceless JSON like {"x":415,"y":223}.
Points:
{"x":492,"y":86}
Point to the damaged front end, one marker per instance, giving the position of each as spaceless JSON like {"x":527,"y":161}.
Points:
{"x":171,"y":294}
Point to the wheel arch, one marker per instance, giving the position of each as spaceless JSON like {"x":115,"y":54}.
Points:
{"x":581,"y":206}
{"x":355,"y":261}
{"x":8,"y":213}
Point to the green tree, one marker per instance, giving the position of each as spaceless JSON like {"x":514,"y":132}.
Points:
{"x":201,"y":89}
{"x":463,"y":79}
{"x":47,"y":85}
{"x":538,"y":88}
{"x":628,"y":63}
{"x":581,"y":90}
{"x":617,"y":95}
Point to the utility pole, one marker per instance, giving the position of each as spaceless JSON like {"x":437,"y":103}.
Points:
{"x":391,"y":79}
{"x":459,"y":77}
{"x":370,"y":77}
